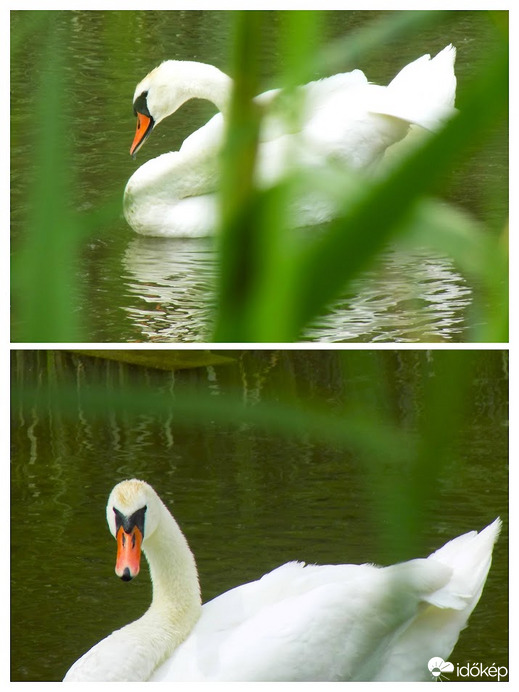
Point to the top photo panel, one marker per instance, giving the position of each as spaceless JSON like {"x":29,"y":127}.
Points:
{"x":259,"y":176}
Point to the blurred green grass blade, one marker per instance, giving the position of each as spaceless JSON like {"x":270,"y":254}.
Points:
{"x":501,"y":20}
{"x":478,"y":253}
{"x":44,"y":269}
{"x":326,"y":265}
{"x":253,"y":220}
{"x":26,"y":25}
{"x":439,"y":419}
{"x":279,"y":281}
{"x":300,"y":39}
{"x":238,"y":238}
{"x":190,"y":405}
{"x":47,"y":277}
{"x":396,"y":414}
{"x":405,"y":477}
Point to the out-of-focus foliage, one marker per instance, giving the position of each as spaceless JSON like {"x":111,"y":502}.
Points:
{"x":438,"y":395}
{"x":272,"y":282}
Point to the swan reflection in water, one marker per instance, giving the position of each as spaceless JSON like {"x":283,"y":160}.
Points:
{"x":410,"y":296}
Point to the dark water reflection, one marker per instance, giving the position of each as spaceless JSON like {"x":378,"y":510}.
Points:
{"x":248,"y":497}
{"x":106,"y":54}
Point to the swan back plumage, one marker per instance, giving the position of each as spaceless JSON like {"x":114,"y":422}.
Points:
{"x":338,"y":622}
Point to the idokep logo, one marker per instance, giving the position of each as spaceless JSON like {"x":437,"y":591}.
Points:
{"x":439,"y":668}
{"x":479,"y":670}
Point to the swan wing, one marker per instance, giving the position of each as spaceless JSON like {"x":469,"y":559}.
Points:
{"x":445,"y":612}
{"x":356,"y":122}
{"x":207,"y":139}
{"x":305,"y":623}
{"x":129,"y":654}
{"x":339,"y":622}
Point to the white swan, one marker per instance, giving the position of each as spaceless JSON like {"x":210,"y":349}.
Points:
{"x":334,"y":622}
{"x":343,"y":118}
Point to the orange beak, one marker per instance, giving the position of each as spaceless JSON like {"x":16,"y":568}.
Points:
{"x":128,"y":553}
{"x":144,"y":128}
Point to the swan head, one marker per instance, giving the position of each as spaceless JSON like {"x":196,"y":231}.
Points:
{"x":133,"y":514}
{"x":170,"y":85}
{"x":155,"y":97}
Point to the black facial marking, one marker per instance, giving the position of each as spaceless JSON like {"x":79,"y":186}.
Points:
{"x":128,"y":522}
{"x":140,"y":105}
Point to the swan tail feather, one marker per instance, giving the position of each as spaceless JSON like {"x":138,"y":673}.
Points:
{"x":423,"y":92}
{"x":435,"y":629}
{"x":470,"y":557}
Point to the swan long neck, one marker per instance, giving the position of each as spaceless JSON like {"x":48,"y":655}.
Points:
{"x":212,"y":85}
{"x":174,"y":82}
{"x":176,"y":589}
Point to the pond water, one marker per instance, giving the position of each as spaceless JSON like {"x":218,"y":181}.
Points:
{"x":152,"y":290}
{"x":250,"y":487}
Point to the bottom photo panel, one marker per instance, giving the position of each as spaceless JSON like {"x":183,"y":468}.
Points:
{"x":259,"y":515}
